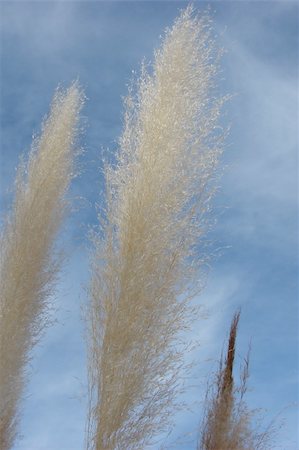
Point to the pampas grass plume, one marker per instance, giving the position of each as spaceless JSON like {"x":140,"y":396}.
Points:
{"x":28,"y":266}
{"x":227,"y":421}
{"x":149,"y":251}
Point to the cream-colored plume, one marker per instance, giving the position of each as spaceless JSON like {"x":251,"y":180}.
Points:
{"x":28,"y":267}
{"x":148,"y":255}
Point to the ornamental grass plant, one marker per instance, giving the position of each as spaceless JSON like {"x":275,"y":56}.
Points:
{"x":228,"y":423}
{"x":29,"y":263}
{"x":149,"y":253}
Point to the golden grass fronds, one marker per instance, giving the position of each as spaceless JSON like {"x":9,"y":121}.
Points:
{"x":28,"y":267}
{"x":148,"y":255}
{"x":227,"y":423}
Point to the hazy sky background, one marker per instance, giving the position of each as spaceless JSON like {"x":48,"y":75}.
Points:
{"x":45,"y":44}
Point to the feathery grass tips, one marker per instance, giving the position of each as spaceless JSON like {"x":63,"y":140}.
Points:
{"x":218,"y":430}
{"x":148,"y":253}
{"x":227,"y":422}
{"x":28,"y":266}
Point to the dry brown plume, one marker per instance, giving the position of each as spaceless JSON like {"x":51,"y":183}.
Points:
{"x":146,"y":257}
{"x":227,"y":423}
{"x":28,"y":265}
{"x":218,"y":426}
{"x":227,"y":381}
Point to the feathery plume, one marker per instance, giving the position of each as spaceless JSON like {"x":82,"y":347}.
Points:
{"x":147,"y":258}
{"x":28,"y":265}
{"x":217,"y":428}
{"x":227,"y":423}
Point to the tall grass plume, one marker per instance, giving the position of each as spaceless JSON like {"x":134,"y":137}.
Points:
{"x":149,"y":251}
{"x":28,"y":265}
{"x":228,"y":423}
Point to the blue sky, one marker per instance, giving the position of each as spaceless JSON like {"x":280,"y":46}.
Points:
{"x":44,"y":44}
